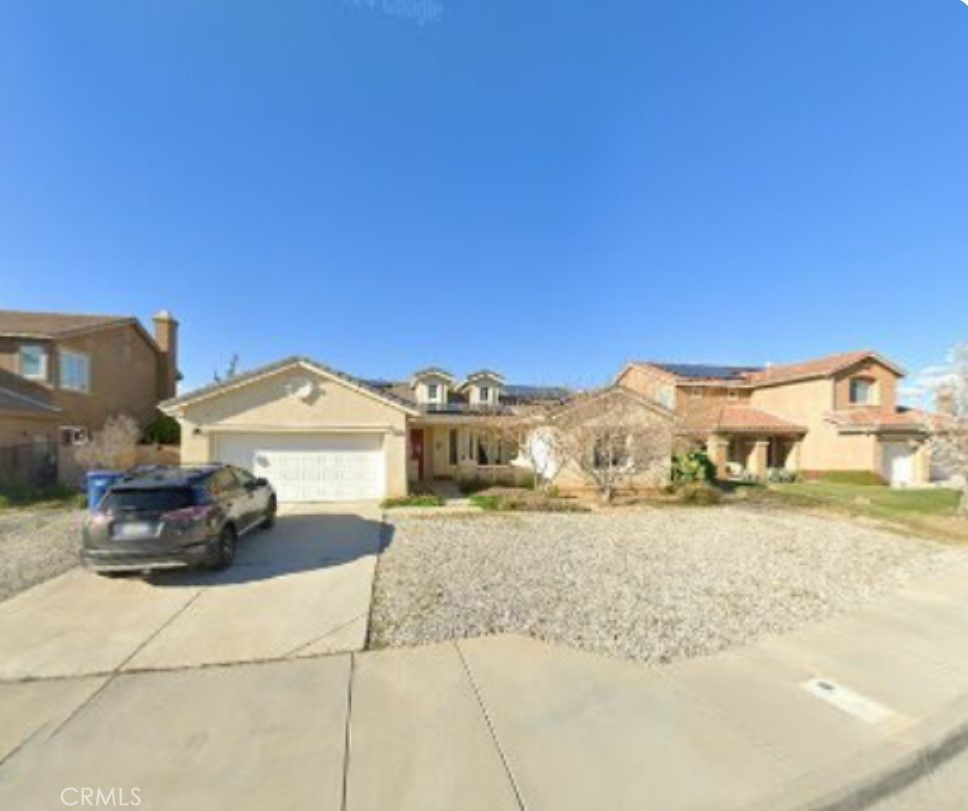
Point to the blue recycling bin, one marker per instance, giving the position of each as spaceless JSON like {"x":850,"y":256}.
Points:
{"x":97,"y":483}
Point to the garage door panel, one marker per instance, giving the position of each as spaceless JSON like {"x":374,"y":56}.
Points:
{"x":312,"y":467}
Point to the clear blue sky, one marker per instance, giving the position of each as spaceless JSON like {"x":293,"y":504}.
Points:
{"x":546,"y":188}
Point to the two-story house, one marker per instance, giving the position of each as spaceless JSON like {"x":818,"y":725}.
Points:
{"x":63,"y":375}
{"x":834,"y":413}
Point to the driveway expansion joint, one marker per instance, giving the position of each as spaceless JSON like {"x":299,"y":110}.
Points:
{"x":519,"y":798}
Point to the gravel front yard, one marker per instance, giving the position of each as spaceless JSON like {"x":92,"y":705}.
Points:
{"x":651,"y":585}
{"x":35,"y":545}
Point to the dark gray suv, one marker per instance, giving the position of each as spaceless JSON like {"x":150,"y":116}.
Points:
{"x":176,"y":516}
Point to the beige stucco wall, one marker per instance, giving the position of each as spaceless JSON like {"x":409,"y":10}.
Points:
{"x":20,"y":430}
{"x":885,"y":379}
{"x":124,"y":376}
{"x":266,"y":405}
{"x":823,"y":448}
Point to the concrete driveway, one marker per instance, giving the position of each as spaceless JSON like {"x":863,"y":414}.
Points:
{"x":496,"y":724}
{"x":300,"y":589}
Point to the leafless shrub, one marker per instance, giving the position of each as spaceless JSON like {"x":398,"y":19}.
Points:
{"x":114,"y":446}
{"x":949,"y":438}
{"x":614,"y":438}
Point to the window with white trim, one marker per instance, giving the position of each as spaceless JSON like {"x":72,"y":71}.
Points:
{"x":75,"y":371}
{"x":433,"y":392}
{"x":33,"y":362}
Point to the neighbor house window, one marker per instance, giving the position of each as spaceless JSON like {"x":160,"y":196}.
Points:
{"x":433,"y":391}
{"x":484,"y":394}
{"x":861,"y":391}
{"x":75,"y":371}
{"x":33,"y":362}
{"x":72,"y":435}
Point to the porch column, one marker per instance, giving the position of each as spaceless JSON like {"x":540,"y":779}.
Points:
{"x":922,"y":464}
{"x":759,"y":458}
{"x":793,"y":458}
{"x":717,"y":447}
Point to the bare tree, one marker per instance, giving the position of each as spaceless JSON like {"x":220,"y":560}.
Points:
{"x":231,"y":370}
{"x":615,"y":438}
{"x":114,"y":446}
{"x":949,"y":437}
{"x":522,"y":428}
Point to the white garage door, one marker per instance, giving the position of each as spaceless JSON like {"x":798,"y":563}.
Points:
{"x":898,"y":459}
{"x":311,"y":467}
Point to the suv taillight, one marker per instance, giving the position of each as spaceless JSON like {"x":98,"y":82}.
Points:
{"x":188,"y":518}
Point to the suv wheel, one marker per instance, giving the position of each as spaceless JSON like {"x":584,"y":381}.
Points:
{"x":225,"y":547}
{"x":270,"y":517}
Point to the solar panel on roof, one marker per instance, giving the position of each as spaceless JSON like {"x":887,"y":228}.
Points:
{"x":707,"y":370}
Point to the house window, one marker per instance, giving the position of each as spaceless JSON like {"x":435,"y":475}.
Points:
{"x":861,"y":391}
{"x":433,"y":392}
{"x":452,"y":450}
{"x":33,"y":362}
{"x":72,"y":435}
{"x":484,"y":394}
{"x":75,"y":371}
{"x":611,"y":452}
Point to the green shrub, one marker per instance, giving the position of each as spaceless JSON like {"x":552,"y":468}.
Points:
{"x":780,"y":475}
{"x":21,"y":495}
{"x":695,"y":466}
{"x":468,"y":487}
{"x":164,"y":430}
{"x":699,"y":494}
{"x":426,"y":500}
{"x":858,"y":477}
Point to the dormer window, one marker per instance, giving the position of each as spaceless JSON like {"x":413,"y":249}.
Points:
{"x":863,"y":391}
{"x":431,"y":386}
{"x":483,"y":388}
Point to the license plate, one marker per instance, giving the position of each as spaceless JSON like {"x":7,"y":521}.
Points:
{"x":132,"y":529}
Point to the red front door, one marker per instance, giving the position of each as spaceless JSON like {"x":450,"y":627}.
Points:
{"x":417,"y":449}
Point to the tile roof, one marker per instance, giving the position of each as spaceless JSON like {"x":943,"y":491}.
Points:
{"x":12,"y":402}
{"x":877,"y":419}
{"x":754,"y":376}
{"x":818,"y":367}
{"x":741,"y":418}
{"x":54,"y":325}
{"x":269,"y":368}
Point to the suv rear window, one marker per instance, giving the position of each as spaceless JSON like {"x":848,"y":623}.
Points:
{"x":154,"y":500}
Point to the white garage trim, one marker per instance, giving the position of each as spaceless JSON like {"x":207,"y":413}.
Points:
{"x":311,"y":466}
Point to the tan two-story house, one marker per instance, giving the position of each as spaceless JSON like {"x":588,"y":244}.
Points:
{"x":836,"y":413}
{"x":62,"y":375}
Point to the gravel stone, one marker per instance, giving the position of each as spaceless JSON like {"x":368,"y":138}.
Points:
{"x":35,"y":545}
{"x":649,"y":585}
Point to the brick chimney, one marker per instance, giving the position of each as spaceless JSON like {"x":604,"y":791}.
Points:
{"x":166,"y":336}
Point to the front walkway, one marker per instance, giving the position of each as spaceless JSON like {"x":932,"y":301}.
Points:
{"x":502,"y":722}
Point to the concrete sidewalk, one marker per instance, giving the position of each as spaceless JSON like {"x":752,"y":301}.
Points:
{"x":510,"y":723}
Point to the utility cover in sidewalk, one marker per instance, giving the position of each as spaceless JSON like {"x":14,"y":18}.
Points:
{"x":853,"y":703}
